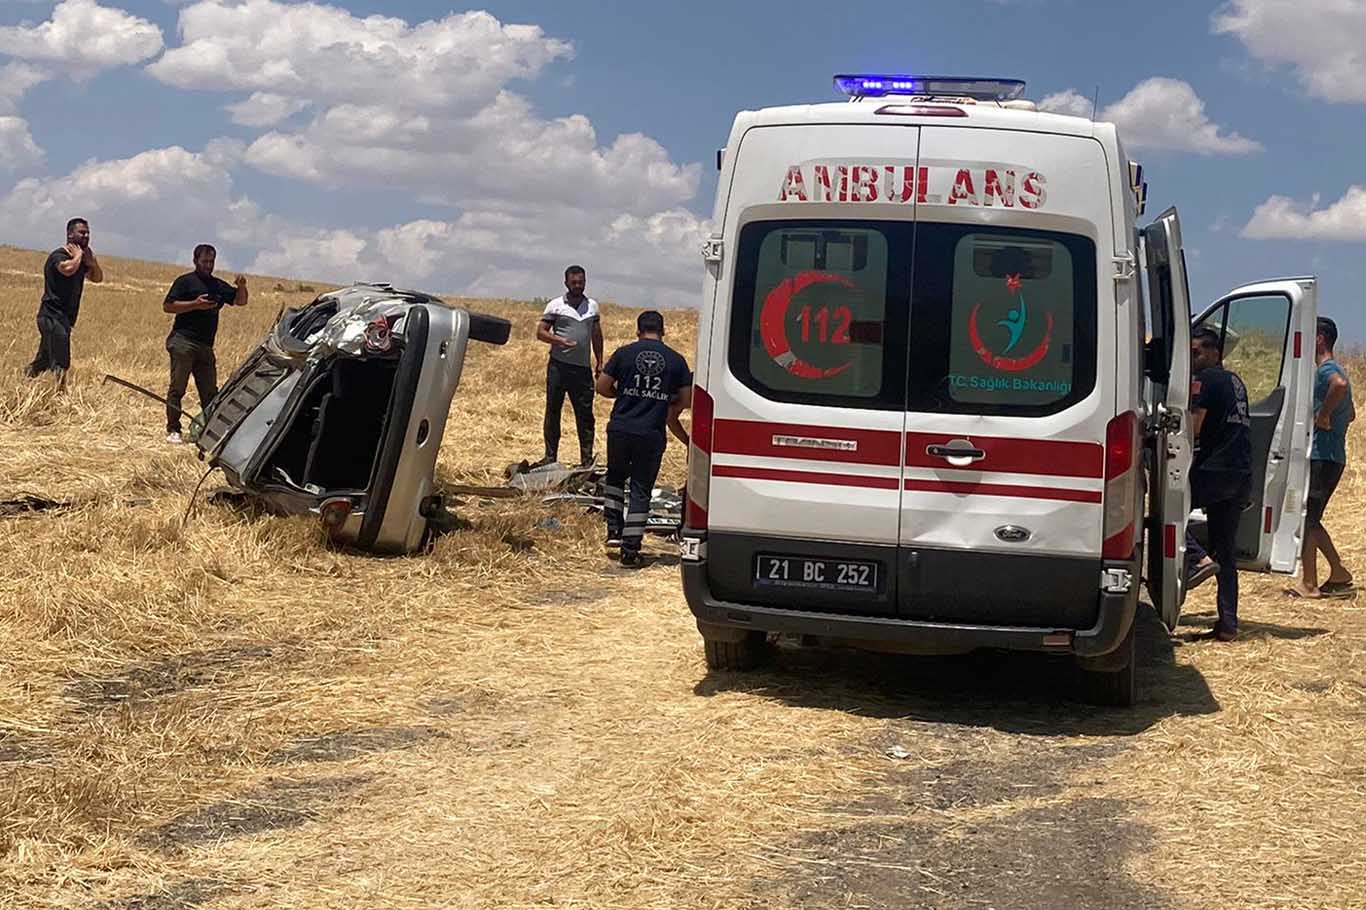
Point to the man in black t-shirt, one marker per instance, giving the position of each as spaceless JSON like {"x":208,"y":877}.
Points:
{"x":652,"y":386}
{"x":1221,"y":477}
{"x":195,"y":298}
{"x":64,"y":277}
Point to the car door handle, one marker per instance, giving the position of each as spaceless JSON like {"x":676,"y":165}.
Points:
{"x":958,"y":453}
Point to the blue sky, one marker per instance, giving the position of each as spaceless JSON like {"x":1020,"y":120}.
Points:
{"x":464,"y":154}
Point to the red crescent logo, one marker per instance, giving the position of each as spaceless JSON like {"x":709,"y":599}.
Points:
{"x":773,"y":323}
{"x":1007,"y":364}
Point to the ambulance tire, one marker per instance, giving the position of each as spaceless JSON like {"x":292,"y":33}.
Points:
{"x":736,"y":656}
{"x":1112,"y":688}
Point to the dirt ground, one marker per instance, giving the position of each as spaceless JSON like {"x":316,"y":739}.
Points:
{"x":209,"y":708}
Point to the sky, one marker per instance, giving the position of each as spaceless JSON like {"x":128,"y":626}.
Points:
{"x":478,"y":150}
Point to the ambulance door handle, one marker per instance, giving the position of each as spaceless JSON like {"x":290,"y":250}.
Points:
{"x":960,"y":453}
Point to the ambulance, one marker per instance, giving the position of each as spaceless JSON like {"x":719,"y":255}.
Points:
{"x":943,"y":374}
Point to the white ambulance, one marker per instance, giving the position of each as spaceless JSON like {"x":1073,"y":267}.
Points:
{"x":942,"y":383}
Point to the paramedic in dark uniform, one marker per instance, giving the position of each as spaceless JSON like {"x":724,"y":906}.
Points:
{"x":570,"y":324}
{"x":195,"y":298}
{"x":1221,"y":477}
{"x":652,"y":386}
{"x":64,"y":277}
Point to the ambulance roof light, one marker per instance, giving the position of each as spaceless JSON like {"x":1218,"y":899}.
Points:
{"x":878,"y":85}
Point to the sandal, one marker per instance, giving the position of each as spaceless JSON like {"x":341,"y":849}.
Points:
{"x":1337,"y":587}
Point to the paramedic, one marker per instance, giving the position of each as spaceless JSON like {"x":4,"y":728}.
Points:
{"x":195,"y":298}
{"x":652,"y":386}
{"x":1333,"y":411}
{"x":64,"y":276}
{"x":569,"y":324}
{"x":1221,"y":477}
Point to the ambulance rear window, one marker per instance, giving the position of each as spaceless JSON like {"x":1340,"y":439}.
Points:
{"x":1003,"y":320}
{"x":811,"y":313}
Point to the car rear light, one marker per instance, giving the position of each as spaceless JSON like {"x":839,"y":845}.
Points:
{"x":699,"y":460}
{"x":334,"y":512}
{"x":921,"y":110}
{"x":1121,"y":487}
{"x":378,"y":339}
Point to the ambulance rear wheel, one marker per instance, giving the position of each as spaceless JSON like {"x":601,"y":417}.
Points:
{"x":732,"y":656}
{"x":1115,"y":688}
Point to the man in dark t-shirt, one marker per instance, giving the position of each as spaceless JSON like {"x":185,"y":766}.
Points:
{"x":652,"y":386}
{"x":64,"y":277}
{"x":1221,"y":477}
{"x":195,"y":299}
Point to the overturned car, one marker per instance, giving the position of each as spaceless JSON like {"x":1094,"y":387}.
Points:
{"x":341,"y":409}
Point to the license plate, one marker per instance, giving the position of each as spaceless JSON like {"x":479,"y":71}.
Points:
{"x":809,"y":572}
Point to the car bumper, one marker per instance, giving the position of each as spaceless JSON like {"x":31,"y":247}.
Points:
{"x":717,"y":618}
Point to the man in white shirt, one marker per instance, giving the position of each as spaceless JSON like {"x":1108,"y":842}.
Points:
{"x":570,"y":325}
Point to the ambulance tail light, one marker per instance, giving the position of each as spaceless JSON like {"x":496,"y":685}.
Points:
{"x":1121,"y":486}
{"x":699,"y":460}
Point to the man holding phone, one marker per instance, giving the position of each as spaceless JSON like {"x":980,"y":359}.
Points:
{"x":64,"y":277}
{"x":195,"y":299}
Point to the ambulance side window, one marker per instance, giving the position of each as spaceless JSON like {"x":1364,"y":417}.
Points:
{"x":809,"y":312}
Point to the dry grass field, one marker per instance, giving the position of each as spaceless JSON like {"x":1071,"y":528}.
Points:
{"x":222,"y":712}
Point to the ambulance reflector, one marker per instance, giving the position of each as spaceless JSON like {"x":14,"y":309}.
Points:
{"x":699,"y":461}
{"x":1121,"y":484}
{"x":880,"y":85}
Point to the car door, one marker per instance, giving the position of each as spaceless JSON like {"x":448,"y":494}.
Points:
{"x":1268,"y":330}
{"x":1168,"y":435}
{"x":808,"y":388}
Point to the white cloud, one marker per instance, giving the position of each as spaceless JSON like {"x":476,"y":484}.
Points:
{"x":156,"y":204}
{"x":264,"y":109}
{"x":160,"y":202}
{"x":18,"y":151}
{"x":424,"y":111}
{"x":503,"y":156}
{"x":83,"y":34}
{"x":1283,"y":218}
{"x":1322,"y":40}
{"x":324,"y":53}
{"x":1070,"y":102}
{"x":15,"y":81}
{"x":1161,"y":114}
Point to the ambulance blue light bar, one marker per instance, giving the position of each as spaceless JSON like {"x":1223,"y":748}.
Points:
{"x":879,"y":85}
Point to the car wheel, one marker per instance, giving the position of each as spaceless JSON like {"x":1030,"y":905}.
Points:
{"x":1114,"y":688}
{"x":731,"y":656}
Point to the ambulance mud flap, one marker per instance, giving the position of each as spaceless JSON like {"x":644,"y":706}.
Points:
{"x":396,"y":425}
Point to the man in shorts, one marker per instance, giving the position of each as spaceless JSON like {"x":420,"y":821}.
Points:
{"x":1333,"y":411}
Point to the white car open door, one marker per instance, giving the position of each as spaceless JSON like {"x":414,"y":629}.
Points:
{"x":1168,"y":436}
{"x":1268,"y":331}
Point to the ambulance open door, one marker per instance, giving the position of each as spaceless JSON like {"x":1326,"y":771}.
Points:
{"x":1167,"y":437}
{"x":1268,"y":331}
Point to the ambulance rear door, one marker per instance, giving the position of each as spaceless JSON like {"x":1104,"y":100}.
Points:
{"x":1268,"y":331}
{"x":808,"y":387}
{"x":1168,"y":433}
{"x":1011,"y":384}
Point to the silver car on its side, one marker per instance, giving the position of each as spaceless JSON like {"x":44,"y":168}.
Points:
{"x":340,"y":412}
